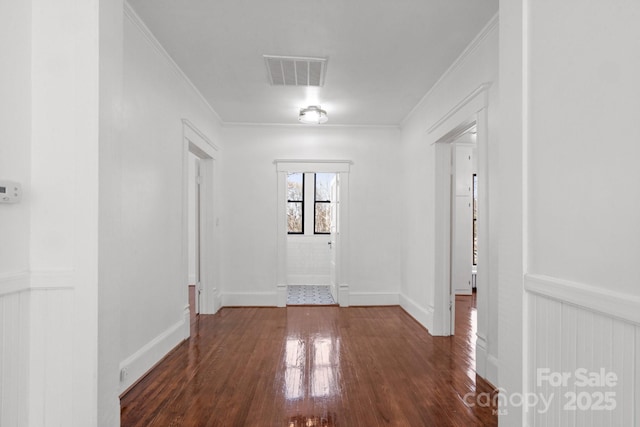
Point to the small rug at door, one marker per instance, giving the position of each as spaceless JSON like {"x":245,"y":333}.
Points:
{"x":309,"y":294}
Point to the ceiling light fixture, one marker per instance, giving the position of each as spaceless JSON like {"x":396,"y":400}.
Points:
{"x":313,"y":114}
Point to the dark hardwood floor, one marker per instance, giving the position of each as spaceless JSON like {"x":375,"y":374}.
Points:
{"x":314,"y":366}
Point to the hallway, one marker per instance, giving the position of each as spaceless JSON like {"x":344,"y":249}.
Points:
{"x":313,"y":366}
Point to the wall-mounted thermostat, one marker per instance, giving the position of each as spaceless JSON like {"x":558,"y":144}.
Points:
{"x":10,"y":192}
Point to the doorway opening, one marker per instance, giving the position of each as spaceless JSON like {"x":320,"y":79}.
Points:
{"x":200,"y":224}
{"x":312,"y":232}
{"x":462,"y":246}
{"x":312,"y":224}
{"x":193,"y":211}
{"x":456,"y":180}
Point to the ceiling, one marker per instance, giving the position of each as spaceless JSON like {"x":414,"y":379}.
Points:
{"x":383,"y":55}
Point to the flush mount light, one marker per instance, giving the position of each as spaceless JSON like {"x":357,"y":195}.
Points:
{"x":313,"y":114}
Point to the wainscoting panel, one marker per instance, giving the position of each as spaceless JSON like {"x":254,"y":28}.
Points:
{"x":14,"y":352}
{"x":51,"y":347}
{"x":36,"y":348}
{"x":578,"y":342}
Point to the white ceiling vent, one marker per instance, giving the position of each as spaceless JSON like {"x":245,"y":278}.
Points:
{"x":295,"y":71}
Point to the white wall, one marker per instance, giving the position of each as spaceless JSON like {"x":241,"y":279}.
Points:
{"x":48,"y":273}
{"x":570,"y":245}
{"x":249,"y":211}
{"x":154,"y":268}
{"x":15,"y":164}
{"x":15,"y":131}
{"x":476,"y":66}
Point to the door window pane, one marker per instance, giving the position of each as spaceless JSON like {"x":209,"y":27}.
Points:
{"x":323,"y":218}
{"x":295,"y":187}
{"x":324,"y":181}
{"x":295,"y":203}
{"x":294,"y":217}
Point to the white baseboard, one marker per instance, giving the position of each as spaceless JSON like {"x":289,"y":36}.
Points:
{"x":486,"y":364}
{"x":140,"y":362}
{"x":281,"y":295}
{"x":192,"y":279}
{"x":492,"y":370}
{"x":424,"y":316}
{"x":212,"y":302}
{"x":481,"y":356}
{"x":374,"y":298}
{"x":217,"y":300}
{"x":249,"y":299}
{"x":343,"y":295}
{"x":186,"y":322}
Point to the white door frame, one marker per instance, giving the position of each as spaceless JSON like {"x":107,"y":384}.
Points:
{"x":472,"y":110}
{"x":197,"y":143}
{"x":342,"y":168}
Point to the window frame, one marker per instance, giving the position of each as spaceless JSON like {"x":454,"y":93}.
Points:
{"x":315,"y":206}
{"x":297,"y":201}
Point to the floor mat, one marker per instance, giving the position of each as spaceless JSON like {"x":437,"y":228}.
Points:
{"x":309,"y":294}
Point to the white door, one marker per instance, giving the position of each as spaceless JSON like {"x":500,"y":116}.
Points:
{"x":334,"y":236}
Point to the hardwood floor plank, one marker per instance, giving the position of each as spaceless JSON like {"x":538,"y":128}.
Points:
{"x":313,"y":366}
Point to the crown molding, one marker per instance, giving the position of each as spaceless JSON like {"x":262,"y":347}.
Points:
{"x":135,"y":19}
{"x":302,"y":126}
{"x":471,"y":47}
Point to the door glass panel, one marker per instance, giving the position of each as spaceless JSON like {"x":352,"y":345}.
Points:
{"x":323,"y":186}
{"x":294,"y":217}
{"x":323,"y":218}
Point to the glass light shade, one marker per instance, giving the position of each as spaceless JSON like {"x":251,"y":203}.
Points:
{"x":313,"y":115}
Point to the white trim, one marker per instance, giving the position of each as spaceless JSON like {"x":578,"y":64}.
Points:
{"x":471,"y":47}
{"x":22,"y":281}
{"x":593,"y":298}
{"x":342,"y":168}
{"x":459,"y":106}
{"x":143,"y":360}
{"x":186,"y":319}
{"x":481,"y":355}
{"x":492,"y":369}
{"x":249,"y":299}
{"x":374,"y":298}
{"x":193,"y":134}
{"x":196,"y":142}
{"x":299,"y":125}
{"x":471,"y":109}
{"x":343,"y":295}
{"x":298,"y":165}
{"x":281,"y":295}
{"x":130,"y":13}
{"x":52,"y":280}
{"x":14,"y":282}
{"x":422,"y":315}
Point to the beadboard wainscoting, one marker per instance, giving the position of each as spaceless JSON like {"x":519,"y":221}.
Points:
{"x":578,"y":330}
{"x":37,"y":348}
{"x":14,"y":318}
